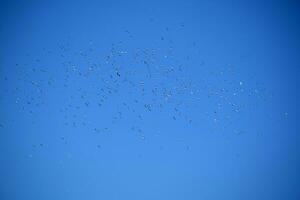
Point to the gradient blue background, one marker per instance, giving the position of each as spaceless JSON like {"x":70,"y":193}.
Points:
{"x":149,"y":100}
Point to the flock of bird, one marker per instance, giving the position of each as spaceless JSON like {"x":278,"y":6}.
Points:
{"x":96,"y":92}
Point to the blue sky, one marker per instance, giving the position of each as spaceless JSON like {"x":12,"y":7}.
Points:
{"x":149,"y":100}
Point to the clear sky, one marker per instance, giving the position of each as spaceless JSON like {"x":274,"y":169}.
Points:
{"x":144,"y":100}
